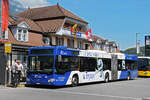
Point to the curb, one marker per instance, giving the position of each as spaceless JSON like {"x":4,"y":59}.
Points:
{"x":20,"y":85}
{"x":2,"y":86}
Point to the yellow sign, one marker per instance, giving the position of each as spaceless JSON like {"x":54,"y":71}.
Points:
{"x":8,"y":47}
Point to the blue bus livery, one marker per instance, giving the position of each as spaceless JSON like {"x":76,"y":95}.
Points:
{"x":62,"y":66}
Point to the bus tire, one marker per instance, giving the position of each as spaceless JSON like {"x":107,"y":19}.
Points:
{"x":106,"y":78}
{"x":128,"y":76}
{"x":75,"y":80}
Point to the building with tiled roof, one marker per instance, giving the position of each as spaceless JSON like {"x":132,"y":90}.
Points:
{"x":99,"y":43}
{"x":49,"y":12}
{"x":49,"y":26}
{"x":42,"y":27}
{"x":22,"y":34}
{"x":55,"y":23}
{"x":24,"y":31}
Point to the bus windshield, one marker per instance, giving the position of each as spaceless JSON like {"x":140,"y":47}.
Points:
{"x":41,"y":64}
{"x":132,"y":65}
{"x":144,"y":64}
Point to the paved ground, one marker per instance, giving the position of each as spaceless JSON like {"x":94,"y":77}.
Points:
{"x":119,"y":90}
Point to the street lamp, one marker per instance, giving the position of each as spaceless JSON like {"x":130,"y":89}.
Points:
{"x":137,"y":51}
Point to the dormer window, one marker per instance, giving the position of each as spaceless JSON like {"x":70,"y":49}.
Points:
{"x":19,"y":35}
{"x":22,"y":35}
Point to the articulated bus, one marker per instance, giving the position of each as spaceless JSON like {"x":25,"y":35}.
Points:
{"x":62,"y":66}
{"x":143,"y":66}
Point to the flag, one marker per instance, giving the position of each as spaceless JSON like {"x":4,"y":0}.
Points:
{"x":74,"y":30}
{"x":5,"y":14}
{"x":89,"y":34}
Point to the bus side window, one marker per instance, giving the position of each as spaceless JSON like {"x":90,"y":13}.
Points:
{"x":106,"y":64}
{"x":88,"y":64}
{"x":119,"y":64}
{"x":131,"y":65}
{"x":127,"y":66}
{"x":74,"y":63}
{"x":82,"y":64}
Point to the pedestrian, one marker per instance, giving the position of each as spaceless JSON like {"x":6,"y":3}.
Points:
{"x":17,"y":68}
{"x":24,"y":72}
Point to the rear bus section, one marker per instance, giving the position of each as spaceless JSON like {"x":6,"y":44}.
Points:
{"x":129,"y":69}
{"x":123,"y":66}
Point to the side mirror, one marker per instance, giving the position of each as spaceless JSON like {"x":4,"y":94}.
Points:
{"x":59,"y":58}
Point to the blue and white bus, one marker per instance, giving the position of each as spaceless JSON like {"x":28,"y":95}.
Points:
{"x":62,"y":66}
{"x":127,"y":66}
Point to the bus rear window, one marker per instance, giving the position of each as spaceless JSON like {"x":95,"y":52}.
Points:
{"x":42,"y":51}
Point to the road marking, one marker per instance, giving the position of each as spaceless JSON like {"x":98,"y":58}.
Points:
{"x":100,"y":95}
{"x":91,"y":94}
{"x":3,"y":94}
{"x":130,"y":85}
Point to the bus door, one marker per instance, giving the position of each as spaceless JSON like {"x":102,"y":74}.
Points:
{"x":99,"y":68}
{"x":114,"y":68}
{"x":87,"y":68}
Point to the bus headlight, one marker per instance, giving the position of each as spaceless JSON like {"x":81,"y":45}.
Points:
{"x":27,"y":79}
{"x":51,"y":80}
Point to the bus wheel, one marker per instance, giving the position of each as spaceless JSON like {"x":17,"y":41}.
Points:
{"x":75,"y":80}
{"x":106,"y":78}
{"x":128,"y":77}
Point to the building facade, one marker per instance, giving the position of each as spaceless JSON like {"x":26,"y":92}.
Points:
{"x":50,"y":26}
{"x":99,"y":43}
{"x":55,"y":25}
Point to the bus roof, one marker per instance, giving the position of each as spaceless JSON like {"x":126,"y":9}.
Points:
{"x":144,"y":57}
{"x":48,"y":47}
{"x":131,"y":57}
{"x":94,"y":53}
{"x":53,"y":50}
{"x":54,"y":47}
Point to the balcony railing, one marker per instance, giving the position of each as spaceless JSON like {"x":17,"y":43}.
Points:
{"x":67,"y":32}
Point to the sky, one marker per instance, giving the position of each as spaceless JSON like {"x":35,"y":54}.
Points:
{"x":115,"y":20}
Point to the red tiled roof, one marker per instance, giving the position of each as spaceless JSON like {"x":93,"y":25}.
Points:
{"x":48,"y":12}
{"x":32,"y":25}
{"x":112,"y":42}
{"x":50,"y":25}
{"x":98,"y":38}
{"x":71,"y":15}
